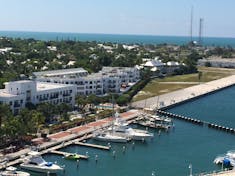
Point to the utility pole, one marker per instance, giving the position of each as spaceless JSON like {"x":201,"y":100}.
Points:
{"x":191,"y":26}
{"x":200,"y":31}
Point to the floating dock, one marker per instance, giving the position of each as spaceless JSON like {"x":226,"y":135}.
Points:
{"x":92,"y":145}
{"x":66,"y":153}
{"x":198,"y":122}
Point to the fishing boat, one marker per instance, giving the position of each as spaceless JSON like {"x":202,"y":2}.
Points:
{"x":110,"y":137}
{"x":72,"y":156}
{"x":35,"y":162}
{"x":12,"y":171}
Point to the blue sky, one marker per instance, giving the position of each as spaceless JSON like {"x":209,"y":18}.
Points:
{"x":149,"y":17}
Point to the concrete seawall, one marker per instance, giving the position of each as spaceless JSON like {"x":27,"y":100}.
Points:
{"x":180,"y":96}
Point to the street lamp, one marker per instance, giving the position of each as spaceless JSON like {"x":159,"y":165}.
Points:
{"x":190,"y":169}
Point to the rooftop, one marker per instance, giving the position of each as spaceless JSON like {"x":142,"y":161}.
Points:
{"x":6,"y":95}
{"x":42,"y":86}
{"x":59,"y":72}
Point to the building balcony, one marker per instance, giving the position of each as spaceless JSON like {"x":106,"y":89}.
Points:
{"x":16,"y":105}
{"x":66,"y":95}
{"x":54,"y":97}
{"x":43,"y":99}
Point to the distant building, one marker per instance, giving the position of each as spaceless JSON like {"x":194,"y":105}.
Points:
{"x":217,"y":62}
{"x":171,"y":67}
{"x":18,"y":93}
{"x":154,"y":65}
{"x":109,"y":79}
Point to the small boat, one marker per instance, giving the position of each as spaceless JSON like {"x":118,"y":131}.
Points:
{"x":152,"y":124}
{"x":72,"y":156}
{"x":160,"y":119}
{"x":12,"y":171}
{"x":225,"y":160}
{"x":35,"y":162}
{"x":110,"y":137}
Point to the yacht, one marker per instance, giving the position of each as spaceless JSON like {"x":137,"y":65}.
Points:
{"x":121,"y":127}
{"x":110,"y":137}
{"x":134,"y":134}
{"x":35,"y":162}
{"x":12,"y":171}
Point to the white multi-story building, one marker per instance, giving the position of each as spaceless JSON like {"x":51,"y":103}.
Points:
{"x":18,"y":93}
{"x":109,"y":79}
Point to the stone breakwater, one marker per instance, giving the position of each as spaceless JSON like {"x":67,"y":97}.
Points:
{"x":173,"y":98}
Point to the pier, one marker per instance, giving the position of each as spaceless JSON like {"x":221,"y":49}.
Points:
{"x":66,"y":153}
{"x":188,"y":119}
{"x":92,"y":145}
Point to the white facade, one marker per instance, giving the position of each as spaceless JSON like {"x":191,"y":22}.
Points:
{"x":18,"y":93}
{"x":109,"y":79}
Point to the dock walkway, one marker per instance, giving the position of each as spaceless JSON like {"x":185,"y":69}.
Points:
{"x":92,"y":145}
{"x":66,"y":153}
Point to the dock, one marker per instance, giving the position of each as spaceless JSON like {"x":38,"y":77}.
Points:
{"x":92,"y":145}
{"x":66,"y":153}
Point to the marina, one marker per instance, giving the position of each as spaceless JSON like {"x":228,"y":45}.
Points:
{"x":75,"y":137}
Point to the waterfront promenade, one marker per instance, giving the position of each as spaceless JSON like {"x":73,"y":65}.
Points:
{"x":182,"y":95}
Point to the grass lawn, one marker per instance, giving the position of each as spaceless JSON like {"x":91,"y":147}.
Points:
{"x":160,"y":86}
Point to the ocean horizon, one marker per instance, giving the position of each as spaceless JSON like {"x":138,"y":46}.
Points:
{"x":118,"y":38}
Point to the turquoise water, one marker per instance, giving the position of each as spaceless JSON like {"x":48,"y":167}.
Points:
{"x":170,"y":153}
{"x":115,"y":38}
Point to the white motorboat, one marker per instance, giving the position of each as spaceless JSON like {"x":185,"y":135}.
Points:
{"x":134,"y":134}
{"x":35,"y":162}
{"x":12,"y":171}
{"x":110,"y":137}
{"x":231,"y":154}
